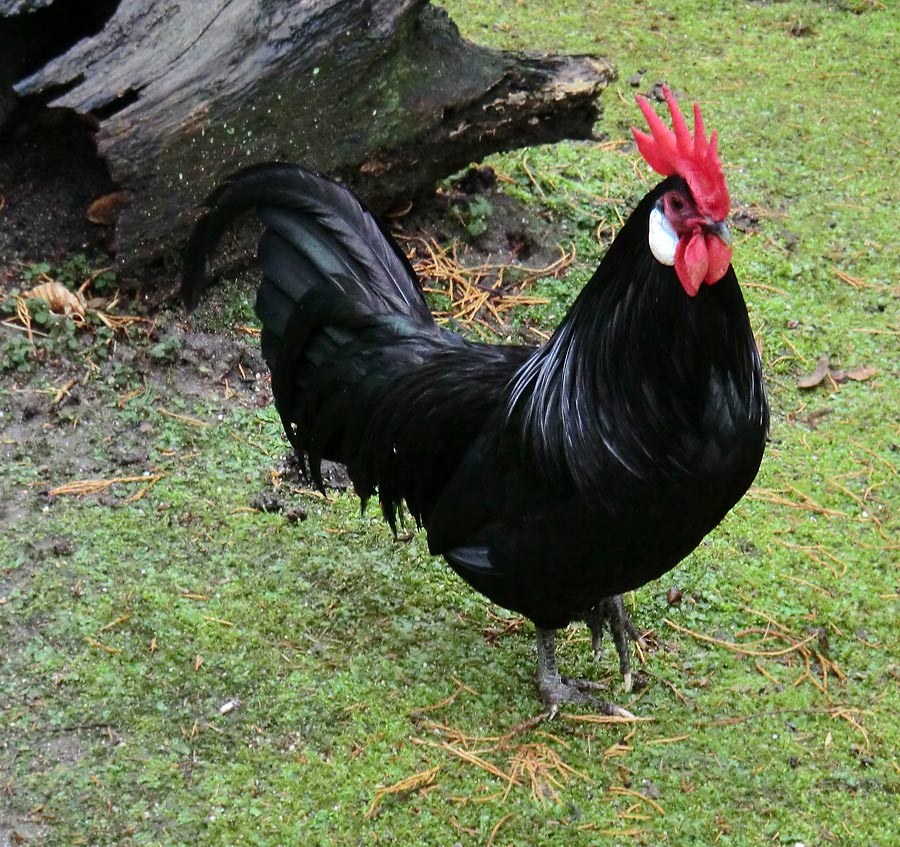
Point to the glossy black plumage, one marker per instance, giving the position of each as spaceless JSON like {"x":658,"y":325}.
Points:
{"x":549,"y":479}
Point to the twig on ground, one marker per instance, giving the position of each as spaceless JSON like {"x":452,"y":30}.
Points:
{"x":404,"y":786}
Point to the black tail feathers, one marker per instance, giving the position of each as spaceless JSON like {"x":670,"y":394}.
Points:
{"x":340,"y":305}
{"x":325,"y":236}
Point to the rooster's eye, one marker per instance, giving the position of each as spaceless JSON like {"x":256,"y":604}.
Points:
{"x":677,"y":205}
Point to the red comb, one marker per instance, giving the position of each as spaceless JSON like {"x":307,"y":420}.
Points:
{"x":695,"y":159}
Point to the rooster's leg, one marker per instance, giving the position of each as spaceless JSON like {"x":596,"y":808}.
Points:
{"x":556,"y":690}
{"x":610,"y":612}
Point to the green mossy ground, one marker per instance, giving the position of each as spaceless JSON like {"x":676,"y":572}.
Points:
{"x":182,"y":669}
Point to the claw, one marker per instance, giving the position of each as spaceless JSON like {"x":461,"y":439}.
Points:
{"x":556,"y":689}
{"x":614,"y":711}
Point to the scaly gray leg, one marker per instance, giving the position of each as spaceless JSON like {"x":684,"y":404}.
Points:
{"x":610,"y":612}
{"x":556,"y":689}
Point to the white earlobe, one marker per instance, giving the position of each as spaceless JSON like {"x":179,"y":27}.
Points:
{"x":663,"y":239}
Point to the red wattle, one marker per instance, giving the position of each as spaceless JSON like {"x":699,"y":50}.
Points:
{"x":719,"y":258}
{"x":691,"y":261}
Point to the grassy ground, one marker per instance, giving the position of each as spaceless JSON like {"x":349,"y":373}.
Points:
{"x":180,"y":667}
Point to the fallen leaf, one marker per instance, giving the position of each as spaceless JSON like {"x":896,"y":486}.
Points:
{"x":858,"y":375}
{"x":105,"y":210}
{"x":861,"y":374}
{"x":58,"y":298}
{"x":816,"y":377}
{"x":813,"y":419}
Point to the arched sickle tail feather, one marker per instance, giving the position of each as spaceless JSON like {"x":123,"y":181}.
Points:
{"x":323,"y":221}
{"x":340,"y":306}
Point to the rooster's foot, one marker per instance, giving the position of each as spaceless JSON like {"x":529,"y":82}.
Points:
{"x":610,"y":612}
{"x":556,"y":690}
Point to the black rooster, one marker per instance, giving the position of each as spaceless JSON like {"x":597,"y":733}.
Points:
{"x":551,"y":479}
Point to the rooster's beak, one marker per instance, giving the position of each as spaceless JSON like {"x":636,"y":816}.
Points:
{"x":720,"y":230}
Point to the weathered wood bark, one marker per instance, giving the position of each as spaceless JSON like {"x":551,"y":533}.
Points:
{"x":384,"y":94}
{"x":17,"y":7}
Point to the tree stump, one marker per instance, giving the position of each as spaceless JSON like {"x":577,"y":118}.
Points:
{"x":383,"y":94}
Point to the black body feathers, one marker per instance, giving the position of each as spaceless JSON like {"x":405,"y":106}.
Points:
{"x":548,"y":478}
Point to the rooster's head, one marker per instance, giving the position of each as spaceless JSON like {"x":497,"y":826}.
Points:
{"x":688,"y":225}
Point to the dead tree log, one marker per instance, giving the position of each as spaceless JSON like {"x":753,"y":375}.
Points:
{"x":384,"y":94}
